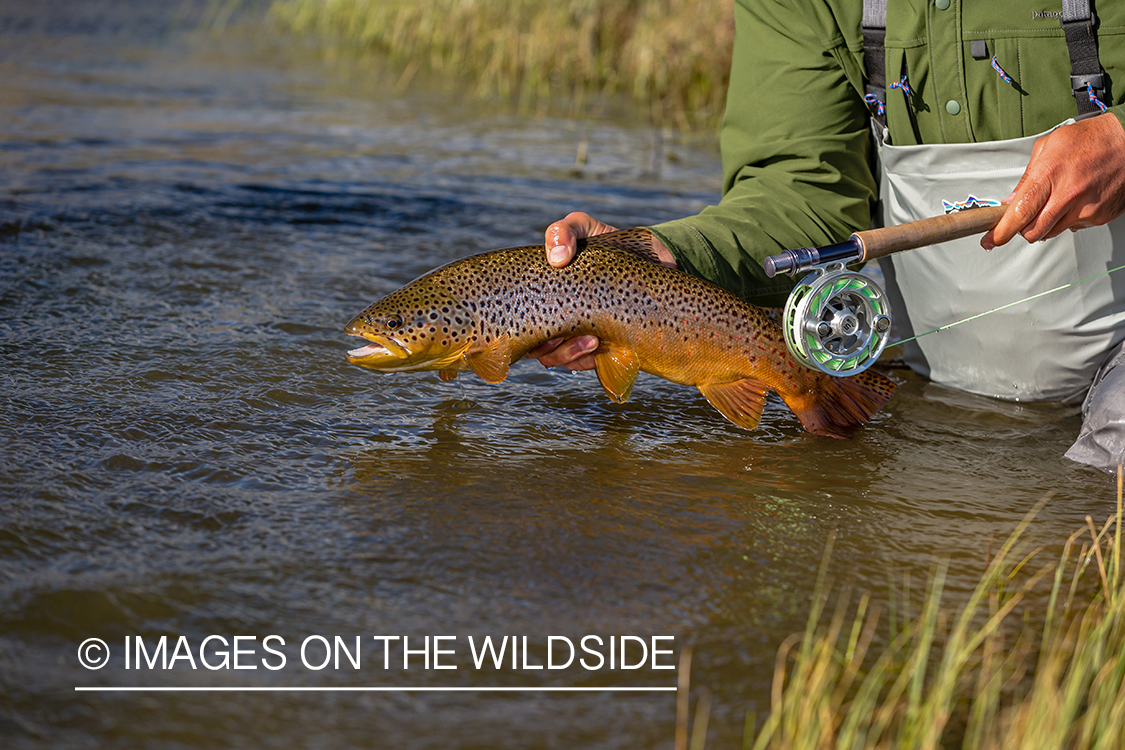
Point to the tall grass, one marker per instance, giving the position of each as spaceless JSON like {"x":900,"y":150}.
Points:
{"x":978,"y":679}
{"x":671,"y":55}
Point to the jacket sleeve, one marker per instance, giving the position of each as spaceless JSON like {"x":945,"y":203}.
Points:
{"x":796,"y":153}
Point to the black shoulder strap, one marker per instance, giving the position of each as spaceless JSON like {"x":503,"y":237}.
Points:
{"x":874,"y":29}
{"x":1086,"y":74}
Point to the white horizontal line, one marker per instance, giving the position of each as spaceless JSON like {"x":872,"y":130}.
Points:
{"x":374,"y":689}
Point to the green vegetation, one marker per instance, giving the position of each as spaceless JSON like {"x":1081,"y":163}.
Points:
{"x":980,"y":679}
{"x":672,"y":55}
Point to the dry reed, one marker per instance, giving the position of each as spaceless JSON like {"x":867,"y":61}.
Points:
{"x":966,"y":680}
{"x":672,"y":55}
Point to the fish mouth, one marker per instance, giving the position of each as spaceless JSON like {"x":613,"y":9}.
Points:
{"x":370,"y":350}
{"x":380,"y":349}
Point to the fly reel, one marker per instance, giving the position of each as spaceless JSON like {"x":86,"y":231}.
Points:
{"x":837,"y":321}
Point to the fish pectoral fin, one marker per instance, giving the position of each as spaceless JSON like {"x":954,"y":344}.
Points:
{"x":492,"y":361}
{"x":447,"y":375}
{"x":617,"y":370}
{"x":741,"y":402}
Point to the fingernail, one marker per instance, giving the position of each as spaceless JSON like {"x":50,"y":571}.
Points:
{"x":587,"y":343}
{"x":558,"y":254}
{"x":987,"y":245}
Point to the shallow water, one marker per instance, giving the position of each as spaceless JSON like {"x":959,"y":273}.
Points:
{"x":186,"y":223}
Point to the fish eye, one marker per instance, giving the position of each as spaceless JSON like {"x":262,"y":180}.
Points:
{"x":394,"y":321}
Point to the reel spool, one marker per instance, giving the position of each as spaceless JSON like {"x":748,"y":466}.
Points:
{"x":837,"y":321}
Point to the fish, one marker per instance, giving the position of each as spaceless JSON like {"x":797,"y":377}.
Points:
{"x":484,"y":312}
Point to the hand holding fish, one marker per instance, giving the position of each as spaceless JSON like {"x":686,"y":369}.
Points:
{"x":561,"y":241}
{"x":1075,"y":179}
{"x":561,"y":238}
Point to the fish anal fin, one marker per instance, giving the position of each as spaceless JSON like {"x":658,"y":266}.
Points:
{"x":492,"y":360}
{"x":617,"y":370}
{"x":448,"y":375}
{"x":741,"y":402}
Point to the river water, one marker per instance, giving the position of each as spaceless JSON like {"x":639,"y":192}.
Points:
{"x":186,"y":223}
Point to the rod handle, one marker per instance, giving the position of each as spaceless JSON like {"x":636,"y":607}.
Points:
{"x":877,"y":243}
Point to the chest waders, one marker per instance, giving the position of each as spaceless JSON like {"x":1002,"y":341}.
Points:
{"x":1053,"y":348}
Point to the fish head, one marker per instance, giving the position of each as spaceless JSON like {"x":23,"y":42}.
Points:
{"x":416,"y":328}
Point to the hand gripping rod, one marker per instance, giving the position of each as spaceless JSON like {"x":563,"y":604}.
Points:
{"x":877,"y":243}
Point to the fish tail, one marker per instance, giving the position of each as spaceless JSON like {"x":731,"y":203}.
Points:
{"x":839,"y":405}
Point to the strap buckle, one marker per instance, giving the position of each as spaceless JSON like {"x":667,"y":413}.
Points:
{"x":1095,"y":80}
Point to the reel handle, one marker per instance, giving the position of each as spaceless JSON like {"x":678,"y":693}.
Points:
{"x":878,"y":243}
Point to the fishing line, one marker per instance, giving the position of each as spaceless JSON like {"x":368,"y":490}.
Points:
{"x":1010,"y":304}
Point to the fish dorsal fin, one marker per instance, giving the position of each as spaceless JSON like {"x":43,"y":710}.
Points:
{"x":447,"y":375}
{"x":492,"y":360}
{"x":636,"y":242}
{"x":617,"y":370}
{"x":741,"y":402}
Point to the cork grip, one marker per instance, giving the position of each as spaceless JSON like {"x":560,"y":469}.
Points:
{"x":876,"y":243}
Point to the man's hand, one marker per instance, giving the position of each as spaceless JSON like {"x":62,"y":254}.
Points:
{"x":562,"y":243}
{"x":574,"y":354}
{"x":1075,"y":179}
{"x":562,"y":236}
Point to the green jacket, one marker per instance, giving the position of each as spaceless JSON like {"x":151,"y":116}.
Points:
{"x":796,"y":144}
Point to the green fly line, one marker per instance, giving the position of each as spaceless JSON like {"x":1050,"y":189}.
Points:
{"x":1010,"y":304}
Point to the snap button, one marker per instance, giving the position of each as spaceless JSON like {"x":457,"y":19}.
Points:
{"x":941,"y":4}
{"x":951,"y":106}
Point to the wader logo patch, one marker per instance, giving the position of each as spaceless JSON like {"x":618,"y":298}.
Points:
{"x":1055,"y":14}
{"x":972,"y":201}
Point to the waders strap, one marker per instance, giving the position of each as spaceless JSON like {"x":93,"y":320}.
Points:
{"x":874,"y":27}
{"x":1087,"y":79}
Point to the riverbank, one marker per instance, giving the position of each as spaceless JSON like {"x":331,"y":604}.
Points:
{"x":672,"y":57}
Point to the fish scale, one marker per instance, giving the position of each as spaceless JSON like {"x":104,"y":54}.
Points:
{"x":483,"y":312}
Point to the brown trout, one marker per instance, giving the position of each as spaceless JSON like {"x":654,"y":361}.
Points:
{"x":484,"y":312}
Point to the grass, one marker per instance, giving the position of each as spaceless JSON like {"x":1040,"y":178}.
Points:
{"x":979,"y":679}
{"x":673,"y":56}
